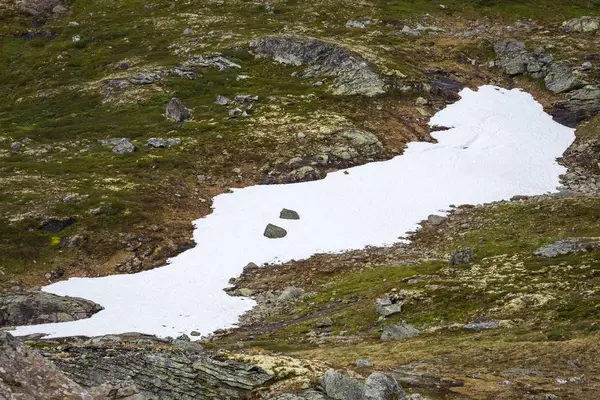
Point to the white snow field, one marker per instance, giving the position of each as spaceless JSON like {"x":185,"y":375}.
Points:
{"x":501,"y":144}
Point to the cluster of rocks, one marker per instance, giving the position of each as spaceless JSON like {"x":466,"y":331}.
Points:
{"x":270,"y":302}
{"x":351,"y":73}
{"x":119,"y":145}
{"x":582,"y":100}
{"x":346,"y":148}
{"x":582,"y":25}
{"x":31,"y":308}
{"x":583,"y":162}
{"x":242,"y":105}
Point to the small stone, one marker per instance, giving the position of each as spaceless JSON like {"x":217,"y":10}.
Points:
{"x":586,"y":66}
{"x":274,"y":232}
{"x":222,"y":100}
{"x":184,"y":338}
{"x":246,"y":292}
{"x":194,"y":333}
{"x":388,"y":305}
{"x":124,"y":146}
{"x":188,"y":31}
{"x":76,"y":38}
{"x":291,"y":293}
{"x":481,"y":324}
{"x":288,"y":214}
{"x":363,"y":363}
{"x":16,"y":146}
{"x":421,"y":101}
{"x":235,"y":112}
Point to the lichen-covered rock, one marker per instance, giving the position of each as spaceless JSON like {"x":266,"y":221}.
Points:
{"x":481,"y":324}
{"x":24,"y":374}
{"x":567,"y":246}
{"x":582,"y":25}
{"x":124,"y":147}
{"x":341,"y":387}
{"x":379,"y":386}
{"x":160,"y":142}
{"x":352,"y":74}
{"x":515,"y":59}
{"x":31,"y":308}
{"x":388,"y":305}
{"x":399,"y":331}
{"x":176,"y":111}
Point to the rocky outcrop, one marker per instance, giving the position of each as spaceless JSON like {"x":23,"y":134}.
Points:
{"x":515,"y":59}
{"x":351,"y":73}
{"x":462,"y":256}
{"x":158,"y":368}
{"x":26,"y":375}
{"x":561,"y":78}
{"x":345,"y":148}
{"x":31,"y":308}
{"x":580,"y":105}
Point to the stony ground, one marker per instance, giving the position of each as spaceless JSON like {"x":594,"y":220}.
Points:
{"x":284,"y":91}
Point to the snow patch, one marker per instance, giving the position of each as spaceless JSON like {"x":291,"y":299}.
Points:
{"x":501,"y":144}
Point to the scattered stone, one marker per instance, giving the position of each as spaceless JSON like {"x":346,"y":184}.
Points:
{"x":421,"y":101}
{"x":124,"y":146}
{"x":72,"y":241}
{"x":481,"y":324}
{"x":407,"y":30}
{"x":16,"y":146}
{"x":148,"y":78}
{"x":32,"y":308}
{"x":160,"y":142}
{"x":222,"y":100}
{"x":184,"y":338}
{"x":235,"y":112}
{"x":352,"y":74}
{"x":56,"y":225}
{"x":361,"y":363}
{"x":567,"y":246}
{"x":122,"y":66}
{"x":274,"y":232}
{"x":324,"y":323}
{"x":586,"y":66}
{"x":463,"y":256}
{"x":288,"y":214}
{"x":390,"y":304}
{"x":399,"y":331}
{"x":212,"y":61}
{"x":194,"y":333}
{"x":581,"y":25}
{"x":562,"y":78}
{"x":188,"y":31}
{"x":245,"y":98}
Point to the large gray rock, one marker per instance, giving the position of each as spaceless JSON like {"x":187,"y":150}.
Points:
{"x":176,"y":111}
{"x":352,"y":74}
{"x":567,"y":246}
{"x":341,"y":387}
{"x":274,"y":232}
{"x":31,"y":308}
{"x":562,"y":78}
{"x":160,"y":142}
{"x":582,"y":25}
{"x":399,"y":331}
{"x":462,"y":256}
{"x":25,"y":375}
{"x":380,"y":386}
{"x":155,"y":368}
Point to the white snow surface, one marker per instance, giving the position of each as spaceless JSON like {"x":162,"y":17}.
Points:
{"x":501,"y":144}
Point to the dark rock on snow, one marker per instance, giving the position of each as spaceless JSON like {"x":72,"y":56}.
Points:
{"x":31,"y":308}
{"x":274,"y":232}
{"x":288,"y":214}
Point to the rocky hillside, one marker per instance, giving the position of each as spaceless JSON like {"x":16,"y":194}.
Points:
{"x":121,"y":120}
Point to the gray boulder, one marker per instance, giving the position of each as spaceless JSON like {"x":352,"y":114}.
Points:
{"x":288,"y":214}
{"x":388,"y":305}
{"x":567,"y":246}
{"x":290,"y":294}
{"x":581,"y":25}
{"x":352,"y":74}
{"x":222,"y":100}
{"x":176,"y":111}
{"x":160,"y":142}
{"x":481,"y":324}
{"x":341,"y":387}
{"x":379,"y":386}
{"x":435,"y":220}
{"x":463,"y":256}
{"x":125,"y":147}
{"x":274,"y":232}
{"x":562,"y":78}
{"x":399,"y":331}
{"x":32,"y":308}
